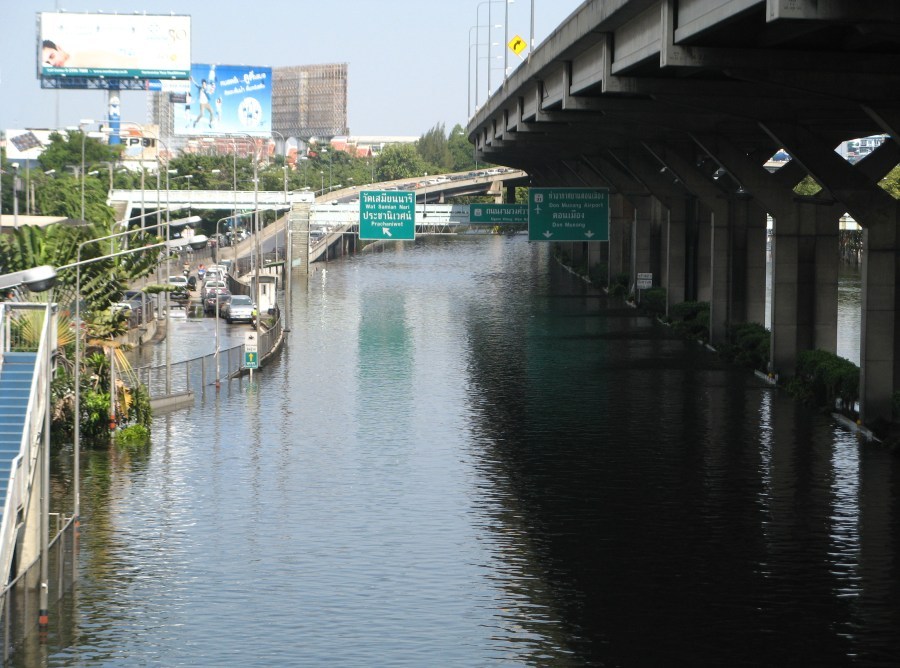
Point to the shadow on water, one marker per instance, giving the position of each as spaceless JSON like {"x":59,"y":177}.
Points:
{"x":465,"y":456}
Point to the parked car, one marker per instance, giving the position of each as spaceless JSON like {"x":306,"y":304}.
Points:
{"x":180,"y":292}
{"x":138,"y":303}
{"x":214,"y":285}
{"x":209,"y":303}
{"x":240,"y":308}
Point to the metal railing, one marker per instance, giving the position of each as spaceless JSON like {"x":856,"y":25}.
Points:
{"x":23,"y":466}
{"x":20,"y":599}
{"x":197,"y":373}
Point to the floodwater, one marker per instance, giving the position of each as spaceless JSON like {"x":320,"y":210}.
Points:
{"x":466,"y":457}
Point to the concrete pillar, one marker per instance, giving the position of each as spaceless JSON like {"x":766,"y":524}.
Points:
{"x":747,"y":301}
{"x":720,"y":274}
{"x":757,"y":237}
{"x":785,"y":293}
{"x":704,"y":255}
{"x":880,"y":345}
{"x":674,"y":253}
{"x":642,"y":240}
{"x":297,"y":223}
{"x":827,"y":265}
{"x":621,"y":216}
{"x":804,"y":284}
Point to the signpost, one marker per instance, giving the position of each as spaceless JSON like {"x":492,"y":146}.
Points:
{"x":644,"y":282}
{"x":568,"y":214}
{"x":517,"y":45}
{"x":251,"y":354}
{"x":387,"y":214}
{"x":494,"y":214}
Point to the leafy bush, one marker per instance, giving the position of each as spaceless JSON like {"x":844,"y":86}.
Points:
{"x":822,"y":378}
{"x":691,"y":319}
{"x":132,"y":436}
{"x":599,"y":274}
{"x":654,"y":301}
{"x":748,"y":345}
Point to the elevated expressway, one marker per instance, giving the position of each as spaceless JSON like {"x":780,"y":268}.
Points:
{"x":675,"y":106}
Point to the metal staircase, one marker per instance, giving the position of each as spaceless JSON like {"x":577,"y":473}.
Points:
{"x":25,"y":375}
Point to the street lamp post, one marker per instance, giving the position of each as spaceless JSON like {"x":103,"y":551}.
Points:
{"x":469,"y":79}
{"x":284,"y":165}
{"x":77,"y":408}
{"x":489,"y":3}
{"x":218,"y":222}
{"x":81,"y":124}
{"x":256,"y":227}
{"x":15,"y":167}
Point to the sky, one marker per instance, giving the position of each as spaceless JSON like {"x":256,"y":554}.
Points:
{"x":410,"y":62}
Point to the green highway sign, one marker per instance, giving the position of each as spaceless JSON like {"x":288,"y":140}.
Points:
{"x":498,"y":213}
{"x":568,"y":214}
{"x":251,"y":360}
{"x":387,"y":214}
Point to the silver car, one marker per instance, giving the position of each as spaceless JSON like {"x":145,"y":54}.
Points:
{"x":240,"y":308}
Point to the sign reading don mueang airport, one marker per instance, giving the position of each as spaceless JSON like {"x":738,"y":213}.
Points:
{"x":568,"y":214}
{"x":387,"y":214}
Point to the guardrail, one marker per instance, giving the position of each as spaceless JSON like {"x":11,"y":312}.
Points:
{"x":197,"y":373}
{"x":23,"y":466}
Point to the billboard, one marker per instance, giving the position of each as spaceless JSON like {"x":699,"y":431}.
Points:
{"x":114,"y":46}
{"x":139,"y":143}
{"x":25,"y":144}
{"x":224,"y":100}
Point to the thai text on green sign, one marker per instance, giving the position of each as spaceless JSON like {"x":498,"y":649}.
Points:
{"x":498,"y":213}
{"x":387,"y":214}
{"x":568,"y":214}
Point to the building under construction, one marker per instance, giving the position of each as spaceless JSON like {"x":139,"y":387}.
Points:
{"x":308,"y":101}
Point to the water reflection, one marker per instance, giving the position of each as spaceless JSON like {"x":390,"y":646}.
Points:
{"x":466,"y":456}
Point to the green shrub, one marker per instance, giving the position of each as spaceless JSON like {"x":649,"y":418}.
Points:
{"x":654,"y":301}
{"x":821,"y":378}
{"x":691,"y":319}
{"x":132,"y":436}
{"x":748,"y":345}
{"x":618,"y":290}
{"x":599,"y":274}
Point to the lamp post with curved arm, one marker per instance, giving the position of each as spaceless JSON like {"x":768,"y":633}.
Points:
{"x":256,"y":227}
{"x":284,"y":165}
{"x":77,"y":408}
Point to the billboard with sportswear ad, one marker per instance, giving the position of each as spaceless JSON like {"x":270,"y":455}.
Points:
{"x":226,"y":100}
{"x":113,"y":46}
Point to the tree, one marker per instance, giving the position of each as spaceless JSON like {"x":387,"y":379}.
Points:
{"x":399,"y":161}
{"x":462,"y":153}
{"x":891,"y":182}
{"x":65,"y":152}
{"x":432,"y":147}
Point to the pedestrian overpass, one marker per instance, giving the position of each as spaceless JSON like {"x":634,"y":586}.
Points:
{"x":491,"y":182}
{"x":27,"y":353}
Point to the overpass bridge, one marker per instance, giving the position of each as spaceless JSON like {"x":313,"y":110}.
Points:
{"x":675,"y":106}
{"x":128,"y":203}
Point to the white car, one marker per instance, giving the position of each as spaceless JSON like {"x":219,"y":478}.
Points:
{"x":214,"y":285}
{"x":179,"y":281}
